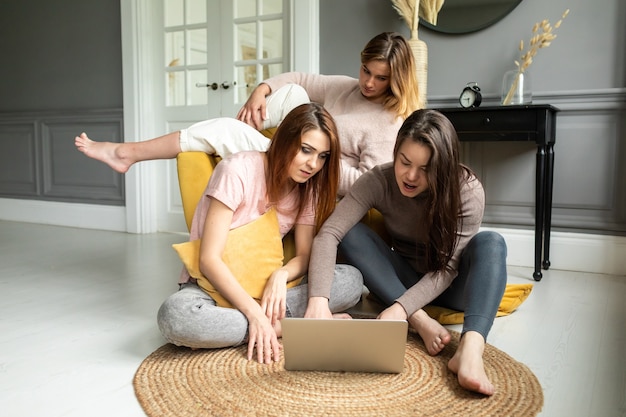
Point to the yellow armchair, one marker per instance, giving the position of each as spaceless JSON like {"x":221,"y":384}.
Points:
{"x":194,"y":170}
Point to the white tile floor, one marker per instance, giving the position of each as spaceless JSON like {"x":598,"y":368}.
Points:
{"x":77,"y":317}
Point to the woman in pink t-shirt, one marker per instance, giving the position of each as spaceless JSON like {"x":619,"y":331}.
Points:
{"x":298,"y":176}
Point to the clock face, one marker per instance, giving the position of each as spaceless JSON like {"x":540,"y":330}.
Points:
{"x":468,"y":97}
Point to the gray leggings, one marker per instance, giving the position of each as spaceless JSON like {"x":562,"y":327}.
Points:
{"x":191,"y":318}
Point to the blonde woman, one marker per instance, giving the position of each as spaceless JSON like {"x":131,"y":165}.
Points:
{"x":368,"y":112}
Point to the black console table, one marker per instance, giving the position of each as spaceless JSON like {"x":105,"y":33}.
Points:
{"x":525,"y":123}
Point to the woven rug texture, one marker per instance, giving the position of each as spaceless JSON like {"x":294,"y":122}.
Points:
{"x":178,"y":382}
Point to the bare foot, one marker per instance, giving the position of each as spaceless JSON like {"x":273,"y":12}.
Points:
{"x":434,"y":335}
{"x":108,"y":152}
{"x":343,"y":316}
{"x":467,"y":364}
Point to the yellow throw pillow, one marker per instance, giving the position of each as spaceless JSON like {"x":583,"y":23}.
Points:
{"x":252,"y":253}
{"x":514,"y":295}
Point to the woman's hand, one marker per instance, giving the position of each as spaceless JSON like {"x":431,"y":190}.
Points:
{"x":254,"y":110}
{"x":393,"y":312}
{"x":274,"y":300}
{"x":317,"y":308}
{"x":262,"y":337}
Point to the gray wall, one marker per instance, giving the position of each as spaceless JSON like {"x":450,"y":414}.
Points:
{"x":583,"y":73}
{"x":53,"y":85}
{"x":61,"y":73}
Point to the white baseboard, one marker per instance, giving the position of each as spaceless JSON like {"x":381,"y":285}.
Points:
{"x":569,"y":251}
{"x":85,"y":216}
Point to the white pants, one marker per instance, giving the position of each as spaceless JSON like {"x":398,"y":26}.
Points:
{"x":224,"y":136}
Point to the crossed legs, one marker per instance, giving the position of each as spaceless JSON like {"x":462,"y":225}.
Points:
{"x":477,"y":291}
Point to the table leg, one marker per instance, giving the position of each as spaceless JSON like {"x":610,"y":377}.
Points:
{"x":539,"y":209}
{"x":548,"y":206}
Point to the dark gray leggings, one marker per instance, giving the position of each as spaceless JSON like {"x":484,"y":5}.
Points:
{"x":477,"y":290}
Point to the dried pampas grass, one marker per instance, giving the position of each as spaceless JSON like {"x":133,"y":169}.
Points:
{"x":538,"y":41}
{"x":412,"y":10}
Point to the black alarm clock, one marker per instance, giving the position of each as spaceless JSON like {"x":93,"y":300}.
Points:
{"x":470,"y":96}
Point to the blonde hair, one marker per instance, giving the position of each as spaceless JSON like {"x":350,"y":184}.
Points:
{"x":403,"y":95}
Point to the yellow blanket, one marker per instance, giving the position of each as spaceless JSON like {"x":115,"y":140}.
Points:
{"x":514,"y":295}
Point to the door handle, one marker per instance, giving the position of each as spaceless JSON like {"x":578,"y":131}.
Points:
{"x":213,"y":86}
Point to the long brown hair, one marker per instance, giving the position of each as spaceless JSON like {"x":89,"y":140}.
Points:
{"x":403,"y":95}
{"x":445,"y":176}
{"x":322,"y":188}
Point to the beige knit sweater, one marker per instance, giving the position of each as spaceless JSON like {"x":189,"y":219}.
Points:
{"x":367,"y":132}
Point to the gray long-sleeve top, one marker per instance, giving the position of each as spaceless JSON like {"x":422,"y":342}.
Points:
{"x":377,"y":189}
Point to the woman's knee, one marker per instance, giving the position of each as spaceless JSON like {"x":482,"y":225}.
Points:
{"x":182,"y":317}
{"x":355,"y":238}
{"x":171,"y":316}
{"x":168,"y":319}
{"x":347,"y":286}
{"x":489,"y":242}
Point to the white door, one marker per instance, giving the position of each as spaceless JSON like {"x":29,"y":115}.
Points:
{"x":214,"y":53}
{"x":199,"y":42}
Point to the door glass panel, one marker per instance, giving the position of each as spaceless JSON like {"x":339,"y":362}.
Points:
{"x":197,"y":47}
{"x":259,"y":48}
{"x":186,"y":48}
{"x":198,"y":90}
{"x":245,"y":8}
{"x":272,"y":70}
{"x":175,"y":94}
{"x":196,"y":11}
{"x":246,"y":39}
{"x":175,"y":48}
{"x":272,"y":6}
{"x":174,"y":12}
{"x":246,"y":81}
{"x":273,"y":39}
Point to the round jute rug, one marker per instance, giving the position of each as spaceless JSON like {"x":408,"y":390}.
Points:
{"x":179,"y":382}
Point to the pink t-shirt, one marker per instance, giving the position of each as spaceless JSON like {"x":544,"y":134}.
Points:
{"x":239,"y":182}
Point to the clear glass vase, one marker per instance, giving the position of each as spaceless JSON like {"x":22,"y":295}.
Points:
{"x":516,"y":88}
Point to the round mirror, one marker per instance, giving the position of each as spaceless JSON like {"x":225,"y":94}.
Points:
{"x":465,"y":16}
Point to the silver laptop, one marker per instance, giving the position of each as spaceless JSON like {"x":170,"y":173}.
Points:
{"x":357,"y":345}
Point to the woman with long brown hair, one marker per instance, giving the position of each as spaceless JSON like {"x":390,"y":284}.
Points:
{"x":432,"y":208}
{"x":296,"y":179}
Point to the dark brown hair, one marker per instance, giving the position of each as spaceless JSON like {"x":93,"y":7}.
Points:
{"x":322,"y":188}
{"x":445,"y":176}
{"x":403,"y":95}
